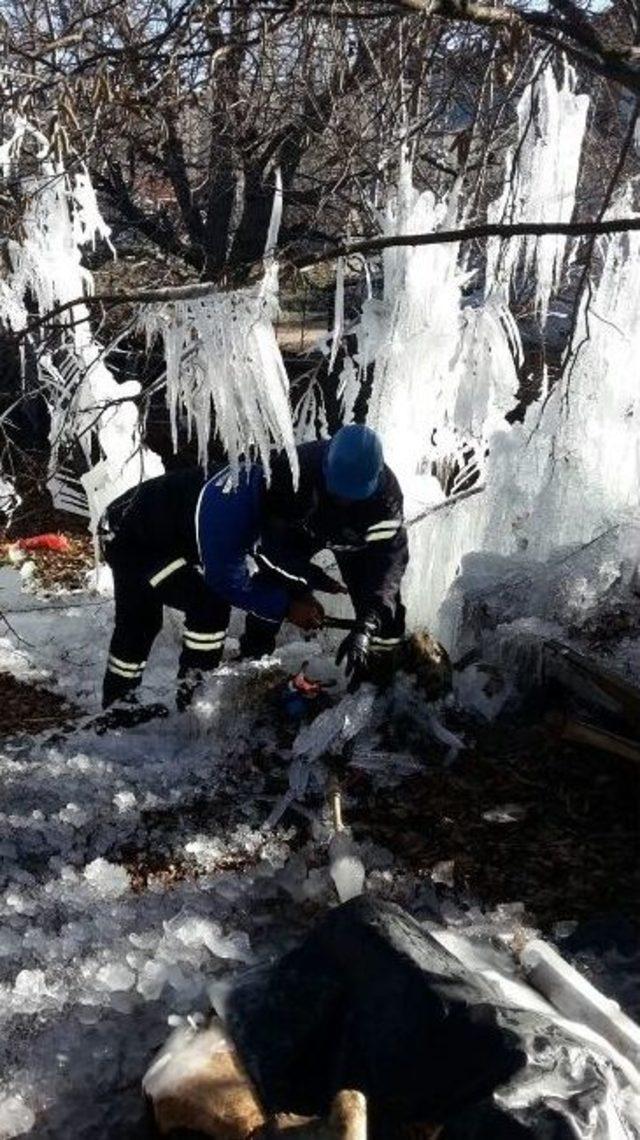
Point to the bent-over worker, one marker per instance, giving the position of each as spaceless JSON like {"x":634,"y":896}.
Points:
{"x":183,"y":540}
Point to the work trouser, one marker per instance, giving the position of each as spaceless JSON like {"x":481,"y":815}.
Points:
{"x":138,"y":620}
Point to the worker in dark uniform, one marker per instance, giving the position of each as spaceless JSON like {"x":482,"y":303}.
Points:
{"x":183,"y":541}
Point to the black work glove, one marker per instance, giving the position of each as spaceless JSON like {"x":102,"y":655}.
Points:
{"x":355,"y":649}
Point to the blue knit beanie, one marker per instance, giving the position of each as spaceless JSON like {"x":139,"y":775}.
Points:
{"x":354,"y":463}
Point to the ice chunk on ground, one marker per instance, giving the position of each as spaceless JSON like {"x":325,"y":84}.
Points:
{"x":16,"y":1117}
{"x":29,"y":990}
{"x":345,"y":867}
{"x":115,"y":976}
{"x":328,"y":732}
{"x":108,"y":880}
{"x":152,"y":979}
{"x":195,"y":931}
{"x":335,"y":725}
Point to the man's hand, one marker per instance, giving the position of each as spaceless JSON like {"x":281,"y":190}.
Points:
{"x":356,"y":647}
{"x":306,"y":613}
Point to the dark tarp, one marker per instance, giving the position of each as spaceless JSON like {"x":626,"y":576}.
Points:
{"x":371,"y":1000}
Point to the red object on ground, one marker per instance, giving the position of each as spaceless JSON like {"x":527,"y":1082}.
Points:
{"x":302,"y":684}
{"x":56,"y":542}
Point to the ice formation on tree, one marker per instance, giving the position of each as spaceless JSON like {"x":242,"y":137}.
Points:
{"x":310,"y":416}
{"x":222,"y":357}
{"x":444,"y":372}
{"x":542,"y":174}
{"x":86,"y":402}
{"x":224,"y":368}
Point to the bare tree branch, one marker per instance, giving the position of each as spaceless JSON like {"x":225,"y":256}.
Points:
{"x":567,"y":28}
{"x":347,"y":248}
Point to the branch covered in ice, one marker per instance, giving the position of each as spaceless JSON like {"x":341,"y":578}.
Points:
{"x":349,"y":248}
{"x":225,"y":371}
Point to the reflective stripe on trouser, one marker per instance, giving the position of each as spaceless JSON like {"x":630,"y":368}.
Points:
{"x":138,"y":620}
{"x":139,"y":613}
{"x":131,"y":670}
{"x":202,"y":649}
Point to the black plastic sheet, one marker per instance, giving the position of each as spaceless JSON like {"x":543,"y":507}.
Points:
{"x":371,"y":1000}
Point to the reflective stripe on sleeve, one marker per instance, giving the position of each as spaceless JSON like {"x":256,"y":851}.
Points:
{"x":260,"y":557}
{"x":385,"y":644}
{"x":382,"y":530}
{"x":381,"y":535}
{"x":167,"y":570}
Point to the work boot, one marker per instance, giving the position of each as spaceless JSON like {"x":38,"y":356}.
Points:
{"x":121,"y":689}
{"x":128,"y":713}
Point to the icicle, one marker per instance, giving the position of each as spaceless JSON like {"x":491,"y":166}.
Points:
{"x":86,"y":402}
{"x":310,"y":417}
{"x":542,"y":176}
{"x":224,"y":368}
{"x":276,"y":219}
{"x":338,"y":314}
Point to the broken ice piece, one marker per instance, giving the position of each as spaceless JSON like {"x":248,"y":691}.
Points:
{"x":564,"y":929}
{"x":115,"y":976}
{"x":16,"y":1117}
{"x":505,"y":813}
{"x":151,"y":981}
{"x":443,"y":873}
{"x":109,"y":880}
{"x":124,"y":801}
{"x":345,"y":867}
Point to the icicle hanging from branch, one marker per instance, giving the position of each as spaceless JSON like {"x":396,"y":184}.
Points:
{"x":86,"y":403}
{"x":226,"y":373}
{"x":542,"y":176}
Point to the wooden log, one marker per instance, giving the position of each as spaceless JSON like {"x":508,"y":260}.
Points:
{"x":580,"y":732}
{"x":197,"y":1084}
{"x":590,"y":681}
{"x":348,"y":1119}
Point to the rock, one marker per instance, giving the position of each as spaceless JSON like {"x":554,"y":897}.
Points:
{"x":197,"y":1083}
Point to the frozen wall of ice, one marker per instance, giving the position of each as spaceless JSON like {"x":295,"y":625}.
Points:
{"x":444,"y":372}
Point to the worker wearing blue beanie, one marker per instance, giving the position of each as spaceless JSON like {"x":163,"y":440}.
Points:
{"x":184,"y":540}
{"x":353,"y":463}
{"x":347,"y":501}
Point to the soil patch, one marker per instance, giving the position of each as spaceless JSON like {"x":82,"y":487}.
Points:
{"x":25,"y":707}
{"x":522,"y":818}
